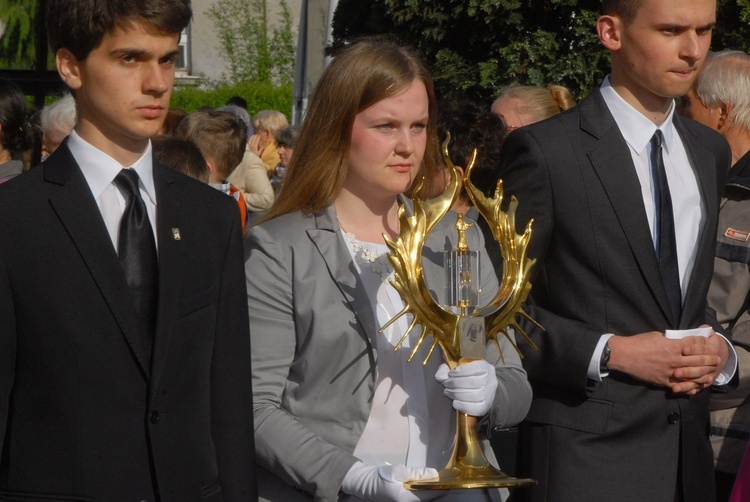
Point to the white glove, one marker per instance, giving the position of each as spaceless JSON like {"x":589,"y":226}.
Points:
{"x":386,"y":483}
{"x":472,"y":386}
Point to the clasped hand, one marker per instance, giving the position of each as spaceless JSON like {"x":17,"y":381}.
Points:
{"x":685,"y":366}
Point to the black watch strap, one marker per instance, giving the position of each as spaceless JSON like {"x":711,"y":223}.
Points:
{"x":604,"y":361}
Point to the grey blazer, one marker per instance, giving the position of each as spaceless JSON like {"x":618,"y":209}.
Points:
{"x":314,"y":356}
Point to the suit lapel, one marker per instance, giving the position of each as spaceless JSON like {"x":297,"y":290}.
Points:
{"x":169,"y":219}
{"x":704,"y":166}
{"x":612,"y":161}
{"x":336,"y":255}
{"x":80,"y":215}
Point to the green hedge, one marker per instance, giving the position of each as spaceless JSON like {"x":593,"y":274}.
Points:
{"x":259,"y":96}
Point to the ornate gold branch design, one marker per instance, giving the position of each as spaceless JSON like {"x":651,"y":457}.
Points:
{"x":406,"y":258}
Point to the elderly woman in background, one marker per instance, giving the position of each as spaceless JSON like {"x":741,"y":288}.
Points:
{"x":57,"y":120}
{"x":337,"y":411}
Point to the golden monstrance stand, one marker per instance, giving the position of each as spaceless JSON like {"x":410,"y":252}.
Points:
{"x":457,"y":334}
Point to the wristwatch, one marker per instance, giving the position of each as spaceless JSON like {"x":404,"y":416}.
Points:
{"x":604,"y":361}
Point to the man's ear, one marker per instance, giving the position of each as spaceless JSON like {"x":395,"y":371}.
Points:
{"x":69,"y":68}
{"x":460,"y":171}
{"x":725,"y":110}
{"x":609,"y":29}
{"x":212,"y":167}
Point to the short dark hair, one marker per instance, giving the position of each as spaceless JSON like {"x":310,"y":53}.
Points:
{"x":181,"y":155}
{"x":80,"y":25}
{"x":15,"y":118}
{"x":238,"y":101}
{"x":473,"y":126}
{"x":220,"y":136}
{"x":288,"y":137}
{"x":625,"y":9}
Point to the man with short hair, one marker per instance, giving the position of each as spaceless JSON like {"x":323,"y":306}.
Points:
{"x":624,"y":197}
{"x":124,"y":351}
{"x":720,"y":99}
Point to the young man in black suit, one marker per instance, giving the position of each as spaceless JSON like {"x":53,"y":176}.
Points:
{"x":620,"y":411}
{"x":124,"y":350}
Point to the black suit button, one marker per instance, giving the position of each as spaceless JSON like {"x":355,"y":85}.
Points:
{"x":673,"y":417}
{"x":153,"y":417}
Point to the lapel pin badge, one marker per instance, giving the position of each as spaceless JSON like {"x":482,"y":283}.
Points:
{"x":176,"y":234}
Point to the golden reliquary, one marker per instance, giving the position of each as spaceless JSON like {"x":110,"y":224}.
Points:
{"x":462,"y":336}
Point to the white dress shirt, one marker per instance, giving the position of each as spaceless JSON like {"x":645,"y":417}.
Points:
{"x":411,"y":422}
{"x":100,"y":170}
{"x":688,"y":209}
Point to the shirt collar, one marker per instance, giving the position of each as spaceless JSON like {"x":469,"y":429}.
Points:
{"x":100,"y":169}
{"x":636,"y":129}
{"x":225,"y":187}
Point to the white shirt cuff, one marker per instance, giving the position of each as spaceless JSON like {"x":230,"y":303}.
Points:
{"x":729,"y":369}
{"x":595,"y":372}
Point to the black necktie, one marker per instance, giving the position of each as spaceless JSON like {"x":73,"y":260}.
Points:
{"x":666,"y":243}
{"x":137,"y":252}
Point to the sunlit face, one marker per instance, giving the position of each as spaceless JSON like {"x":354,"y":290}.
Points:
{"x":388,"y":143}
{"x":123,"y":87}
{"x":656,"y":56}
{"x":692,"y":107}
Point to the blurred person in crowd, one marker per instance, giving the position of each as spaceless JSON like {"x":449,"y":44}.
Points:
{"x":720,"y":99}
{"x":57,"y":120}
{"x":473,"y":127}
{"x":221,"y":137}
{"x":172,"y":121}
{"x":624,"y":197}
{"x":250,"y":176}
{"x":240,"y":113}
{"x":124,"y":351}
{"x":15,"y":130}
{"x":286,"y":139}
{"x":526,"y":104}
{"x":238,"y":101}
{"x":182,"y":156}
{"x":338,"y":412}
{"x":266,"y":124}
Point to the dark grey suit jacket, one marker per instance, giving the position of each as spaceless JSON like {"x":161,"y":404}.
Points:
{"x":597,"y":273}
{"x":85,"y":412}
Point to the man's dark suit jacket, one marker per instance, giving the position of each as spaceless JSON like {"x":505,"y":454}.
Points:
{"x":597,"y":273}
{"x":84,"y":413}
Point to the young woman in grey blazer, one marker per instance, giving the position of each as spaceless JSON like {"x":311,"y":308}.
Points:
{"x":340,"y":415}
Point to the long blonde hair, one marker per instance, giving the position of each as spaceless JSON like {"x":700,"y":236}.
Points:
{"x":362,"y":74}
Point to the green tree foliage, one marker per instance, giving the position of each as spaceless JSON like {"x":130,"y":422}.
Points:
{"x":254,"y":50}
{"x":477,"y":47}
{"x":17,"y":48}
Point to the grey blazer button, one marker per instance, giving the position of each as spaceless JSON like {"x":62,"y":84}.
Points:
{"x":673,"y":417}
{"x":153,"y":417}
